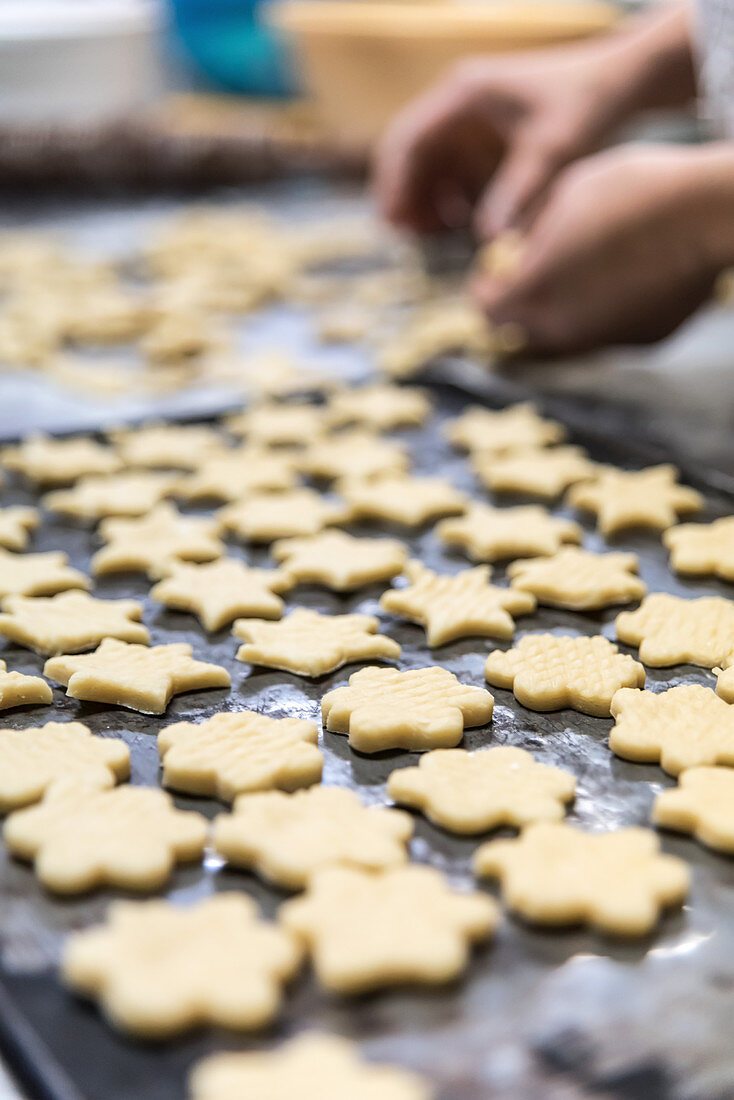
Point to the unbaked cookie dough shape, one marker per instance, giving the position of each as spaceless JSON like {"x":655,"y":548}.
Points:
{"x":166,"y":446}
{"x":287,"y":838}
{"x":498,"y":432}
{"x":311,"y":1067}
{"x":416,"y":709}
{"x":278,"y":424}
{"x":579,"y":580}
{"x":550,"y":671}
{"x":237,"y":752}
{"x":366,"y":930}
{"x":725,"y":679}
{"x":493,"y":534}
{"x":82,"y":838}
{"x":355,"y":454}
{"x":70,"y":622}
{"x":455,"y":606}
{"x":473,"y":792}
{"x":134,"y":676}
{"x":16,"y":524}
{"x":380,"y":407}
{"x":670,"y":630}
{"x":541,"y":472}
{"x":616,"y":882}
{"x":635,"y":498}
{"x":311,"y":644}
{"x":48,"y":461}
{"x":683,"y":727}
{"x":35,"y":758}
{"x":703,"y":805}
{"x":264,"y":517}
{"x":42,"y":574}
{"x":340,"y":561}
{"x":403,"y":500}
{"x":148,"y":544}
{"x":158,"y":969}
{"x":233,"y":474}
{"x":697,"y":549}
{"x":19,"y":690}
{"x":129,"y":494}
{"x":219,"y":591}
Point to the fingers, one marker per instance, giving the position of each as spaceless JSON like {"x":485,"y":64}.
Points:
{"x":516,"y":190}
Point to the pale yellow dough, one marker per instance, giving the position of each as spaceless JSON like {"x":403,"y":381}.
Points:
{"x":149,"y":544}
{"x":278,"y":424}
{"x":549,"y":672}
{"x":264,"y":517}
{"x":725,"y":679}
{"x":417,"y":709}
{"x":472,"y":792}
{"x":16,"y":524}
{"x":80,"y":838}
{"x":355,"y":454}
{"x":220,"y":591}
{"x":158,"y":969}
{"x":134,"y":676}
{"x":49,"y":461}
{"x":19,"y":690}
{"x":70,"y":622}
{"x":617,"y":882}
{"x":166,"y":446}
{"x":512,"y":429}
{"x":635,"y":498}
{"x":365,"y":930}
{"x":311,"y":644}
{"x":287,"y":838}
{"x":339,"y":561}
{"x":379,"y":407}
{"x":700,"y":548}
{"x":491,"y":534}
{"x":579,"y":580}
{"x":237,"y":473}
{"x":403,"y":500}
{"x":670,"y":630}
{"x":127,"y":494}
{"x":241,"y":751}
{"x":38,"y":574}
{"x":541,"y":472}
{"x":703,"y":805}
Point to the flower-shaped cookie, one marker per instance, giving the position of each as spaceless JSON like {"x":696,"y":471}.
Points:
{"x":264,"y":517}
{"x":38,"y":574}
{"x":355,"y":454}
{"x":149,"y":543}
{"x":579,"y":580}
{"x":421,"y":708}
{"x":700,"y":548}
{"x":635,"y":498}
{"x":287,"y":838}
{"x":229,"y":754}
{"x":380,"y":407}
{"x":134,"y":676}
{"x":549,"y":672}
{"x":491,"y":534}
{"x":471,"y":792}
{"x":70,"y":622}
{"x":33,"y":759}
{"x":403,"y":500}
{"x":702,"y":804}
{"x":16,"y":523}
{"x":275,"y":424}
{"x":49,"y":461}
{"x":158,"y":969}
{"x":310,"y":1067}
{"x":340,"y":561}
{"x":130,"y":493}
{"x":682,"y":727}
{"x":230,"y":475}
{"x":166,"y":446}
{"x":219,"y":591}
{"x":541,"y":472}
{"x":617,"y":882}
{"x":670,"y":630}
{"x":81,"y":838}
{"x":457,"y":606}
{"x":367,"y":929}
{"x":311,"y":644}
{"x":19,"y":690}
{"x":512,"y":429}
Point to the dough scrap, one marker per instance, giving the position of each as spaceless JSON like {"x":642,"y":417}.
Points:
{"x":515,"y":428}
{"x":135,"y":676}
{"x":239,"y":752}
{"x":311,"y":644}
{"x":42,"y":574}
{"x":131,"y":493}
{"x":220,"y":591}
{"x":417,"y":709}
{"x":355,"y":454}
{"x":166,"y":446}
{"x":340,"y":561}
{"x":380,"y":407}
{"x":703,"y":805}
{"x":616,"y":882}
{"x":274,"y":425}
{"x":579,"y":580}
{"x":19,"y":690}
{"x":16,"y":523}
{"x":491,"y":534}
{"x":635,"y":498}
{"x":70,"y":622}
{"x":158,"y":969}
{"x":700,"y":548}
{"x":234,"y":474}
{"x":462,"y":605}
{"x":670,"y":630}
{"x":366,"y":930}
{"x":543,"y":472}
{"x":147,"y":545}
{"x":287,"y":838}
{"x":49,"y":461}
{"x":472,"y":792}
{"x":550,"y":672}
{"x":80,"y":839}
{"x":409,"y":501}
{"x":34,"y":759}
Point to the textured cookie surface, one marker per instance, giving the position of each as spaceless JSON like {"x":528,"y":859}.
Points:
{"x":472,"y":792}
{"x":554,"y":874}
{"x":219,"y":591}
{"x":670,"y":630}
{"x":636,"y":498}
{"x":18,"y":690}
{"x":702,"y":804}
{"x":340,"y":561}
{"x":700,"y":548}
{"x":38,"y":574}
{"x":149,"y":543}
{"x":491,"y":534}
{"x":549,"y":671}
{"x":407,"y":501}
{"x":515,"y":428}
{"x":579,"y":580}
{"x":543,"y":472}
{"x":263,"y":517}
{"x":70,"y":622}
{"x":58,"y":461}
{"x":127,"y":494}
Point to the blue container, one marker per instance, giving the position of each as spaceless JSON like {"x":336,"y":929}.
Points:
{"x":236,"y":51}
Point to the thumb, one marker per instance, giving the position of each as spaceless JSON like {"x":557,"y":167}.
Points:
{"x":521,"y":178}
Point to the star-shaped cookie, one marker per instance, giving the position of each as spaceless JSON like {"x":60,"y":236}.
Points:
{"x":287,"y":838}
{"x":491,"y":534}
{"x":670,"y":630}
{"x":166,"y":446}
{"x":70,"y":622}
{"x":311,"y":1066}
{"x":16,"y":523}
{"x":19,"y":690}
{"x":219,"y":591}
{"x":541,"y":472}
{"x":149,"y":544}
{"x":129,"y":837}
{"x":38,"y":574}
{"x":158,"y":968}
{"x":340,"y":561}
{"x":48,"y":461}
{"x":134,"y":676}
{"x":264,"y":517}
{"x":243,"y":751}
{"x":355,"y":454}
{"x":131,"y":493}
{"x":380,"y":407}
{"x":635,"y":498}
{"x":355,"y":925}
{"x":472,"y":792}
{"x":549,"y":672}
{"x":703,"y":805}
{"x":700,"y":548}
{"x":311,"y":644}
{"x":33,"y":759}
{"x":617,"y":882}
{"x":725,"y":679}
{"x":403,"y":500}
{"x":579,"y":580}
{"x":498,"y":432}
{"x":418,"y":709}
{"x":237,"y":473}
{"x":278,"y":424}
{"x":457,"y":606}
